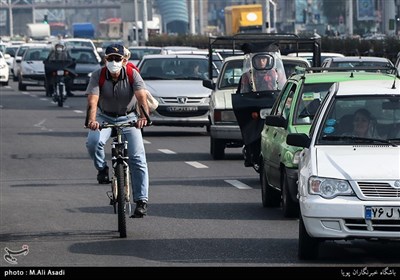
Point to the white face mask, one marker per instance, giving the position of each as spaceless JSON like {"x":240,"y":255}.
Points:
{"x":59,"y":49}
{"x":114,"y":66}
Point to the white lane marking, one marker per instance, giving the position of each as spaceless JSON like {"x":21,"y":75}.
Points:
{"x":196,"y":164}
{"x":166,"y":151}
{"x":44,"y":99}
{"x":238,"y":184}
{"x":78,"y":111}
{"x":146,"y":142}
{"x":24,"y":92}
{"x":41,"y":126}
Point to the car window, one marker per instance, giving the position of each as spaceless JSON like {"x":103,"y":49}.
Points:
{"x":309,"y":101}
{"x":341,"y":119}
{"x":137,"y":54}
{"x":83,"y":56}
{"x":231,"y":74}
{"x":173,"y":68}
{"x":36,"y":54}
{"x":287,"y":91}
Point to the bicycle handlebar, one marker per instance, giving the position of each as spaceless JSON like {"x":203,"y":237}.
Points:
{"x":127,"y":124}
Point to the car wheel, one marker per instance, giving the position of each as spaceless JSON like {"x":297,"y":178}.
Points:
{"x":269,"y":196}
{"x":308,"y":246}
{"x":217,"y":148}
{"x":290,"y":207}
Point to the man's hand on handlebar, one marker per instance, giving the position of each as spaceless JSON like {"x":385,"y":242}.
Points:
{"x":93,"y":125}
{"x":141,"y":122}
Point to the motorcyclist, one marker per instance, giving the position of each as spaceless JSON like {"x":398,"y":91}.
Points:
{"x":263,"y":77}
{"x":58,"y":59}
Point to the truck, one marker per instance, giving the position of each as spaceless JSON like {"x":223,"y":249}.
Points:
{"x":243,"y":18}
{"x":83,"y":30}
{"x":37,"y":31}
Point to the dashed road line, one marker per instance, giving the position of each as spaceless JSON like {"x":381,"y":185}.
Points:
{"x":196,"y":164}
{"x":238,"y":184}
{"x":78,"y":111}
{"x":166,"y":151}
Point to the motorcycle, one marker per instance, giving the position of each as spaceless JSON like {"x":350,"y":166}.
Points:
{"x":60,"y":71}
{"x":258,"y":89}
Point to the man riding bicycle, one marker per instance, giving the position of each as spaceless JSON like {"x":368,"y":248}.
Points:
{"x":114,"y":102}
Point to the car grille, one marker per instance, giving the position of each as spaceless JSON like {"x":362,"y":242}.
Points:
{"x":180,"y":101}
{"x":378,"y":189}
{"x":373,"y":225}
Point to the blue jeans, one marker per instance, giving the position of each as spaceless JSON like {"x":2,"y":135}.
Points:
{"x":96,"y":141}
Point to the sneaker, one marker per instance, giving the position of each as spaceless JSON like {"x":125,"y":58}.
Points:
{"x":102,"y":176}
{"x":141,"y":209}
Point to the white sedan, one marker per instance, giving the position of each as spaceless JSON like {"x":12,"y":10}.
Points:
{"x":4,"y":70}
{"x":349,"y":182}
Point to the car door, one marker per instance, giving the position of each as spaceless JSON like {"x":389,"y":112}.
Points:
{"x":275,"y":137}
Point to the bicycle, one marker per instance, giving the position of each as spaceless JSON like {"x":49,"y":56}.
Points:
{"x":120,"y":194}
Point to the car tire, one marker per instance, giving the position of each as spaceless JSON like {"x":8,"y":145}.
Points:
{"x":290,"y":208}
{"x":217,"y":148}
{"x":308,"y":246}
{"x":269,"y":196}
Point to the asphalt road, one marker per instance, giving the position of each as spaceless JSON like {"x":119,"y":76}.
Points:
{"x":202,"y":213}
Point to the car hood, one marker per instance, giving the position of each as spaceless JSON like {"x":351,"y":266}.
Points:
{"x":86,"y":68}
{"x":358,"y":162}
{"x":36,"y":66}
{"x":173,"y":88}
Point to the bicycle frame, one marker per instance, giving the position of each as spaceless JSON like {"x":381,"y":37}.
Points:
{"x":120,"y":196}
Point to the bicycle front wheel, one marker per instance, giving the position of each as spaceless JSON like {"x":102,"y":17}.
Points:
{"x":119,"y":173}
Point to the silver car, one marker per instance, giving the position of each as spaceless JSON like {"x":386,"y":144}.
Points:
{"x":32,"y":67}
{"x":183,"y":101}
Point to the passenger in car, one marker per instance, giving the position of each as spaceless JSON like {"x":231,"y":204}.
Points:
{"x":362,"y":124}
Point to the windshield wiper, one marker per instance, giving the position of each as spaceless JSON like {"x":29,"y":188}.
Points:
{"x":359,"y":139}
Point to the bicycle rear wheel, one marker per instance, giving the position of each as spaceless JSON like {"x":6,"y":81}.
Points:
{"x":121,"y":203}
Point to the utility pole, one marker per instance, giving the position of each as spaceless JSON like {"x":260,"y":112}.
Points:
{"x":201,"y":18}
{"x":349,"y":20}
{"x":10,"y":18}
{"x":136,"y":22}
{"x":192,"y":21}
{"x":145,"y":32}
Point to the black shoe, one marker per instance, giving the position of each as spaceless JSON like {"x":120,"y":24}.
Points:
{"x":70,"y":94}
{"x":102,"y":176}
{"x":141,"y":209}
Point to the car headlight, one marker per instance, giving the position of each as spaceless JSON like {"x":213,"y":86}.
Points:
{"x":205,"y":100}
{"x":329,"y":188}
{"x":89,"y":74}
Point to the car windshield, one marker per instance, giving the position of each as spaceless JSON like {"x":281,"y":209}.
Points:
{"x":83,"y":56}
{"x":361,"y":119}
{"x":137,"y":54}
{"x":174,"y":69}
{"x":309,"y":101}
{"x":36,"y":54}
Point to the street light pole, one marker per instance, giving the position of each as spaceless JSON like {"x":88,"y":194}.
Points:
{"x":10,"y":18}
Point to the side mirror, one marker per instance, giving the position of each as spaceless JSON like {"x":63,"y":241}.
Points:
{"x":209,"y":84}
{"x":298,"y":140}
{"x":276,"y":120}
